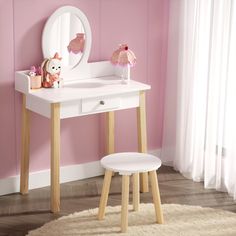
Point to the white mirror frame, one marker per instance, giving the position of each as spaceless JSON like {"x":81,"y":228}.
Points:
{"x":87,"y":30}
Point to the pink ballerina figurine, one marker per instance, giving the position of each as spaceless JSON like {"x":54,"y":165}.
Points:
{"x":76,"y":45}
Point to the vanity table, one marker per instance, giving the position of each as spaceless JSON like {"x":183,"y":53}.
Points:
{"x":89,"y":88}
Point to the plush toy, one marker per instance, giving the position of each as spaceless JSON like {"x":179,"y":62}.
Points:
{"x":50,"y":71}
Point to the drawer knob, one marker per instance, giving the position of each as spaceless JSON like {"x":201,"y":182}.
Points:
{"x":102,"y":102}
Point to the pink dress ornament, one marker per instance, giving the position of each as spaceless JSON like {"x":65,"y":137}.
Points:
{"x":124,"y":57}
{"x":76,"y":45}
{"x":50,"y":71}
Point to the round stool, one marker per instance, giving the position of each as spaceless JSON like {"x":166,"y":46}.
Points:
{"x":130,"y":163}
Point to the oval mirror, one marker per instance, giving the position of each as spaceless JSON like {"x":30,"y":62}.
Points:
{"x":67,"y":31}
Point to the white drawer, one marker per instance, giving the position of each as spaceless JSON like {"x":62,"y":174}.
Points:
{"x":86,"y":106}
{"x":91,"y":105}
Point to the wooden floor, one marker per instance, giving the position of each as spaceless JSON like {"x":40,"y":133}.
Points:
{"x":19,"y":214}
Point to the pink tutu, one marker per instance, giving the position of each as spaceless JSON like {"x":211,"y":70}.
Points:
{"x":123,"y":56}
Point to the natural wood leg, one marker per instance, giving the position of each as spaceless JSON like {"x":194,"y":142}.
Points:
{"x":55,"y":157}
{"x":156,"y":197}
{"x":25,"y":148}
{"x":110,"y":136}
{"x":124,"y":203}
{"x":142,"y":136}
{"x":136,"y":196}
{"x":104,"y":195}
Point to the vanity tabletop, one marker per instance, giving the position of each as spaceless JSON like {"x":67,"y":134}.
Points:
{"x":88,"y":88}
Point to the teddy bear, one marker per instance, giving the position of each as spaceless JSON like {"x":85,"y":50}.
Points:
{"x":50,"y":71}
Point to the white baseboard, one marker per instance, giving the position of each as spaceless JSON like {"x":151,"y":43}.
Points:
{"x":42,"y":178}
{"x":67,"y":173}
{"x":157,"y":152}
{"x":167,"y":163}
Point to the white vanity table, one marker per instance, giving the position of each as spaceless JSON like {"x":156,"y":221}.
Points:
{"x":89,"y":88}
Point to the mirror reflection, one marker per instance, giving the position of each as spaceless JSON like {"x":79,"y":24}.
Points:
{"x":67,"y":37}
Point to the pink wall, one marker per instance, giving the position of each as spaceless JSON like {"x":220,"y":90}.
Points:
{"x":142,"y":24}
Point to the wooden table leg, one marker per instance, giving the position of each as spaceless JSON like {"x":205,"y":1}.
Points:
{"x":124,"y":203}
{"x":104,"y":195}
{"x":110,"y":135}
{"x":25,"y":148}
{"x":110,"y":132}
{"x":156,"y":197}
{"x":55,"y":157}
{"x":142,"y":137}
{"x":136,"y":195}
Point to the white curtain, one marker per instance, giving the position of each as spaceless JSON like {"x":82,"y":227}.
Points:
{"x":200,"y":136}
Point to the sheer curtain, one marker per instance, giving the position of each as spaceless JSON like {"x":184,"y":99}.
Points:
{"x":200,"y":136}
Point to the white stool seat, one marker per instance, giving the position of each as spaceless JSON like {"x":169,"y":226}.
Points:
{"x":128,"y":163}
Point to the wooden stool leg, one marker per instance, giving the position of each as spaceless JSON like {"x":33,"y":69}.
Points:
{"x":124,"y":203}
{"x":136,"y":196}
{"x":156,"y":197}
{"x":104,"y":195}
{"x":55,"y":157}
{"x":25,"y":141}
{"x":142,"y":137}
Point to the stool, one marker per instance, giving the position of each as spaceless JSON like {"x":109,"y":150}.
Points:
{"x":130,"y":163}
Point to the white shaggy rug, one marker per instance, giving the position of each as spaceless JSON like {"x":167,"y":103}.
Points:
{"x":180,"y":220}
